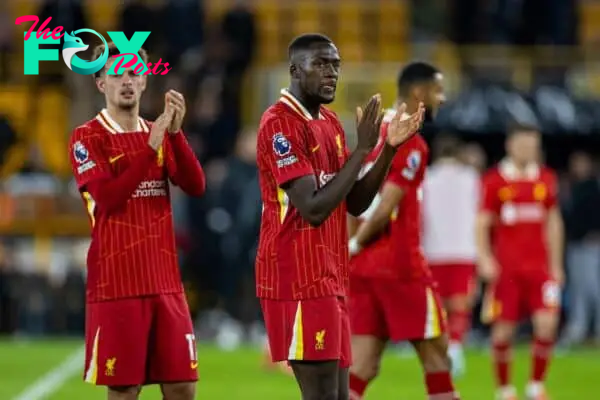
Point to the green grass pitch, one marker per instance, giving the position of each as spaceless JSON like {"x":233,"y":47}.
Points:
{"x":237,"y":375}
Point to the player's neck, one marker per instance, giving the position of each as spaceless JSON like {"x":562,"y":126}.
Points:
{"x":127,"y":119}
{"x":520,"y":166}
{"x":312,"y":107}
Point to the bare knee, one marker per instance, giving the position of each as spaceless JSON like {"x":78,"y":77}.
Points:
{"x":433,"y":354}
{"x":124,"y":392}
{"x":179,"y":390}
{"x":366,"y":357}
{"x":503,"y":332}
{"x":545,"y":324}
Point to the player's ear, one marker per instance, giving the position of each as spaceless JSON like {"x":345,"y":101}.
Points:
{"x":144,"y":82}
{"x":294,"y":71}
{"x":100,"y":83}
{"x":418,"y":92}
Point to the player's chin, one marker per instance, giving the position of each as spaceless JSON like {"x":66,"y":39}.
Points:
{"x":326,"y":98}
{"x":127,"y":104}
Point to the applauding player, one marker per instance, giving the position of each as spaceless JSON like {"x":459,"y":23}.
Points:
{"x":308,"y":182}
{"x":520,"y":239}
{"x":138,"y":326}
{"x":394,"y":297}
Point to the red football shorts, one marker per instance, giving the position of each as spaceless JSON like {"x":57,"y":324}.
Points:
{"x":137,"y":341}
{"x":394,"y":309}
{"x":311,"y":330}
{"x":454,"y":279}
{"x":515,"y":297}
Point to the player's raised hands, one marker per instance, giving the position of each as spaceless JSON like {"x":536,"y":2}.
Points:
{"x":159,"y":128}
{"x":175,"y":101}
{"x":403,"y":126}
{"x":368,"y":123}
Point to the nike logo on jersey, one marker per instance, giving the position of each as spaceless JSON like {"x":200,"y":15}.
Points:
{"x":115,"y":158}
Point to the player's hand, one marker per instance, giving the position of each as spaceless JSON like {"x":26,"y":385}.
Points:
{"x":175,"y":101}
{"x":368,"y":124}
{"x":159,"y":129}
{"x":488,"y":269}
{"x":558,"y":274}
{"x":402,"y":127}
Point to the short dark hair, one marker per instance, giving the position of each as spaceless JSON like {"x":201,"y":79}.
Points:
{"x":414,"y":73}
{"x":113,"y":50}
{"x":306,"y":41}
{"x":516,"y":127}
{"x":446,"y":145}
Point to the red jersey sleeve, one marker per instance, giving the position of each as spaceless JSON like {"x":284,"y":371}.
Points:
{"x":490,"y":199}
{"x":408,"y":167}
{"x":86,"y":153}
{"x":284,"y":148}
{"x":551,"y":181}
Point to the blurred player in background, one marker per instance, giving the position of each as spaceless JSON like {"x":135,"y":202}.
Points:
{"x":520,"y":248}
{"x":393,"y":297}
{"x":308,"y":182}
{"x":138,"y":326}
{"x":472,"y":154}
{"x":450,"y":200}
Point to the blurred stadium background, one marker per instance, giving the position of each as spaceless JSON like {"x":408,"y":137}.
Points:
{"x":533,"y":61}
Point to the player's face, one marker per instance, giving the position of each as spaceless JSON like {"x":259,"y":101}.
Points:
{"x":319,"y":73}
{"x":524,"y":147}
{"x":435,"y":95}
{"x":124,"y":90}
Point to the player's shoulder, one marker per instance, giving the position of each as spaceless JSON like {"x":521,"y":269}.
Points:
{"x":547,"y":173}
{"x":88,"y":130}
{"x":492,"y":175}
{"x":279,"y":117}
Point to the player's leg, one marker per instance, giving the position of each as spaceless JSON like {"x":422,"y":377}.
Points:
{"x":369,"y":335}
{"x":544,"y":304}
{"x":501,"y":304}
{"x":173,"y":361}
{"x":424,"y":325}
{"x":457,"y":292}
{"x":116,"y":346}
{"x":308,"y":333}
{"x":433,"y":355}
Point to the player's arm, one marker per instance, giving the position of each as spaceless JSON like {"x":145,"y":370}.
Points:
{"x":93,"y":175}
{"x":487,"y":266}
{"x":316,"y":204}
{"x":185,"y":171}
{"x":555,"y":234}
{"x":364,"y":189}
{"x":353,"y":224}
{"x":374,"y":224}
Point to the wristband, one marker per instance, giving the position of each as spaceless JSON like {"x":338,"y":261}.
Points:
{"x":354,"y":247}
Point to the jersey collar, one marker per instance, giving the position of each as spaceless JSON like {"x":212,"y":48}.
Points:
{"x":292,"y":102}
{"x":509,"y":171}
{"x":113,"y":127}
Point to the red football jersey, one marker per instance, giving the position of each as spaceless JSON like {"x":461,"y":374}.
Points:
{"x":519,"y":203}
{"x":132,"y":252}
{"x":407,"y":171}
{"x":295,"y":260}
{"x":369,"y":260}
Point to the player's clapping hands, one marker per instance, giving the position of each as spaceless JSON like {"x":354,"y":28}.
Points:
{"x":159,"y":128}
{"x":368,"y":123}
{"x":403,"y":126}
{"x":176,"y":102}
